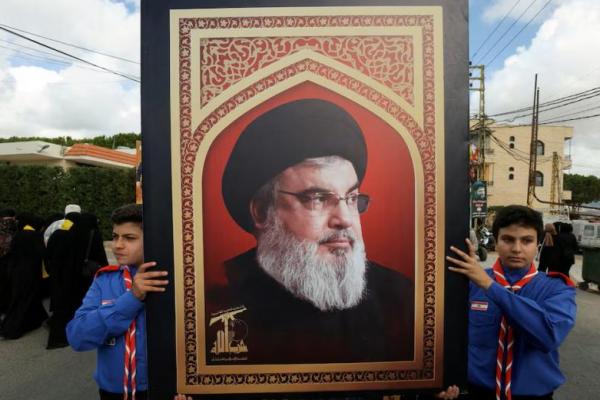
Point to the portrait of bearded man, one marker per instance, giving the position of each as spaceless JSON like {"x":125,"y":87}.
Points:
{"x":307,"y":293}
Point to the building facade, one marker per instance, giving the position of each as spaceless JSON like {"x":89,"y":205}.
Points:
{"x":54,"y":155}
{"x":506,"y":160}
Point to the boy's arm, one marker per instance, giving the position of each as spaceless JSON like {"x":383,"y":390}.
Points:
{"x":545,"y":325}
{"x":95,"y":322}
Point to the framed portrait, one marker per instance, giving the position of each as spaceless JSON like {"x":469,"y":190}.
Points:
{"x":305,"y":172}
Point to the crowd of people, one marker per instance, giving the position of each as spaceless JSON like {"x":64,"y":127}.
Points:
{"x":558,"y":248}
{"x":40,"y":259}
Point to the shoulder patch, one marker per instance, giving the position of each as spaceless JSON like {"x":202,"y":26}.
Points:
{"x":554,"y":274}
{"x":108,"y":268}
{"x":28,"y":228}
{"x":66,"y":225}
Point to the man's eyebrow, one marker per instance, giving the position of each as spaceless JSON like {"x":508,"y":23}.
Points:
{"x":318,"y":189}
{"x":353,"y":187}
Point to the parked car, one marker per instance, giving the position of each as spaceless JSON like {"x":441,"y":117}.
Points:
{"x":586,"y":232}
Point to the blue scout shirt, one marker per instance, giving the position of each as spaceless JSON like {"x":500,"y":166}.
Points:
{"x":101,"y":323}
{"x":541,"y":313}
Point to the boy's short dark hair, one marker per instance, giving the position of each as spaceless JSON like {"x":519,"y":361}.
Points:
{"x":128,"y":213}
{"x":518,"y":215}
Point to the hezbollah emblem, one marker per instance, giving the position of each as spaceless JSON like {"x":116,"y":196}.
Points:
{"x":230,"y":337}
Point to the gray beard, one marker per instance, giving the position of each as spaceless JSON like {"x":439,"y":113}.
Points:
{"x":329,"y":285}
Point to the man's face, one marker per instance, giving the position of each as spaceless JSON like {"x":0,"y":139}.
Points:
{"x":314,"y":248}
{"x":338,"y":177}
{"x":516,"y":246}
{"x":128,"y":243}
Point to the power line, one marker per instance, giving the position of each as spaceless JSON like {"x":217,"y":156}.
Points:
{"x":27,"y":56}
{"x":506,"y":31}
{"x":552,"y":121}
{"x":518,"y":33}
{"x":519,"y":155}
{"x":35,"y":56}
{"x":585,"y":75}
{"x":53,"y":56}
{"x":577,"y":100}
{"x":550,"y":102}
{"x":576,"y":112}
{"x":569,"y":119}
{"x":70,"y":44}
{"x":71,"y":56}
{"x":495,"y":29}
{"x":509,"y":151}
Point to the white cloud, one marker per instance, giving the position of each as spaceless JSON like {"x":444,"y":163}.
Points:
{"x":565,"y":53}
{"x":38,"y":100}
{"x":497,"y":9}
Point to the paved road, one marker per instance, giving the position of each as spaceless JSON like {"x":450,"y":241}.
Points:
{"x":580,"y":353}
{"x":29,"y":372}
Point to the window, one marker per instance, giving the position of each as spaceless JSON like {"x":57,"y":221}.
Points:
{"x":511,"y":139}
{"x":511,"y":145}
{"x":511,"y":177}
{"x":511,"y":169}
{"x":539,"y":148}
{"x":539,"y":179}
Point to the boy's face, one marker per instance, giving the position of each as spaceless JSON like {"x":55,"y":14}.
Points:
{"x":128,"y":243}
{"x":516,"y":246}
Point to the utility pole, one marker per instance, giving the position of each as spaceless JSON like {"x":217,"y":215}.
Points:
{"x":533,"y":144}
{"x":555,"y":189}
{"x":477,"y":84}
{"x":478,"y":202}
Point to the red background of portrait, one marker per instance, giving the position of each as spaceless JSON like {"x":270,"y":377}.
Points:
{"x":388,"y":225}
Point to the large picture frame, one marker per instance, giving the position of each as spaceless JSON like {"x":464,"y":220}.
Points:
{"x":395,"y":67}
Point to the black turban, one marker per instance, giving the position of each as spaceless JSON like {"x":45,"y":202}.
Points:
{"x":283,"y":137}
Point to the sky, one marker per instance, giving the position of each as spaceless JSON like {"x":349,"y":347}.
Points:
{"x":44,"y":94}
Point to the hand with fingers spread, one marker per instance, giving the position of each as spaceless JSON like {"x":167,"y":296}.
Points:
{"x":467,"y":265}
{"x":451,"y":393}
{"x":148,"y":281}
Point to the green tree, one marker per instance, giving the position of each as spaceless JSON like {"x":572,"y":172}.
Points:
{"x":44,"y":191}
{"x":584,"y":189}
{"x":119,"y":139}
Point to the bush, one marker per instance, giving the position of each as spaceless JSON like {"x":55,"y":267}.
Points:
{"x":44,"y":191}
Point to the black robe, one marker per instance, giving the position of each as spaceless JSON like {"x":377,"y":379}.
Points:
{"x":279,"y":328}
{"x":550,"y":257}
{"x":65,"y":255}
{"x":25,"y":310}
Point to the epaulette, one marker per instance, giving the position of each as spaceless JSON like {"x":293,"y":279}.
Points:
{"x":554,"y":274}
{"x":108,"y":268}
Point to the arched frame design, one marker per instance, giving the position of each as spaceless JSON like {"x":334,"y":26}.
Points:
{"x":414,"y":112}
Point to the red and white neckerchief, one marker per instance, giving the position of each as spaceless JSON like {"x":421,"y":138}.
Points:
{"x":130,"y":367}
{"x":506,"y":334}
{"x":130,"y":364}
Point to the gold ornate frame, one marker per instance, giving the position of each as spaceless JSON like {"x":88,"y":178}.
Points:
{"x":202,"y":106}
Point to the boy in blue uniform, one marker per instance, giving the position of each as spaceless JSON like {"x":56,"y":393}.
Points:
{"x":518,"y":317}
{"x":111,"y":317}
